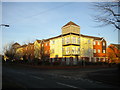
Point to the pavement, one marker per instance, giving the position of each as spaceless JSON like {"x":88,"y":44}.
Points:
{"x":25,"y":77}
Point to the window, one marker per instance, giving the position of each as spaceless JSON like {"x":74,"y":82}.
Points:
{"x":53,"y":42}
{"x":74,"y":39}
{"x":94,"y":51}
{"x":78,"y":50}
{"x":68,"y":50}
{"x":103,"y":51}
{"x":73,"y":49}
{"x":78,"y":40}
{"x":89,"y":41}
{"x":103,"y":43}
{"x":63,"y":49}
{"x":68,"y":40}
{"x":98,"y":50}
{"x":63,"y":40}
{"x":94,"y":43}
{"x":89,"y":50}
{"x":98,"y":42}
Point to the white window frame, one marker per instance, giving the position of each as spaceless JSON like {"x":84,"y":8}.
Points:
{"x":98,"y":50}
{"x":103,"y":43}
{"x":53,"y":42}
{"x":73,"y":39}
{"x":98,"y":42}
{"x":94,"y":50}
{"x":89,"y":41}
{"x":78,"y":41}
{"x":94,"y":43}
{"x":104,"y":51}
{"x":68,"y":49}
{"x":68,"y":40}
{"x":73,"y":49}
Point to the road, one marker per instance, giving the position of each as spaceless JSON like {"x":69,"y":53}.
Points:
{"x":28,"y":77}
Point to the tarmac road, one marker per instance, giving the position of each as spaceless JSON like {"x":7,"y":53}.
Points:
{"x":28,"y":77}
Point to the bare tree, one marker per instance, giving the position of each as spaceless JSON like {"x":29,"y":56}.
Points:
{"x":107,"y":13}
{"x":42,"y":54}
{"x":9,"y":51}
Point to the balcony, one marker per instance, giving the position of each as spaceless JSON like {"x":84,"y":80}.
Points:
{"x":70,"y":43}
{"x":68,"y":53}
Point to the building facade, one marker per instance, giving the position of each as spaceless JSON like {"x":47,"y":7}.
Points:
{"x":72,"y":46}
{"x":69,"y":46}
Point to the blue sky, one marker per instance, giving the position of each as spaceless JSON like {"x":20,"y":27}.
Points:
{"x":40,"y":20}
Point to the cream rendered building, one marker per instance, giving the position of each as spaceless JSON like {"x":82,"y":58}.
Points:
{"x":71,"y":45}
{"x":86,"y":47}
{"x":56,"y":47}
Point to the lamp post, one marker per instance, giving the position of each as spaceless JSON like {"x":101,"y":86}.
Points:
{"x":6,"y":25}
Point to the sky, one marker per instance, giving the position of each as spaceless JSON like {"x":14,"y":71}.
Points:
{"x":41,"y":20}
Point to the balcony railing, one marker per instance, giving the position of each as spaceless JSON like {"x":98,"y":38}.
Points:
{"x":71,"y":53}
{"x":67,"y":43}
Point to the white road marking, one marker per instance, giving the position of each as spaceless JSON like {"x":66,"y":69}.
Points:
{"x":66,"y":85}
{"x":37,"y":77}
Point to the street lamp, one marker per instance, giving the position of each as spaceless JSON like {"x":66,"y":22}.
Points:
{"x":4,"y":25}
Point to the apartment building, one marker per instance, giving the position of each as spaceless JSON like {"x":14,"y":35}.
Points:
{"x":69,"y":46}
{"x":72,"y":46}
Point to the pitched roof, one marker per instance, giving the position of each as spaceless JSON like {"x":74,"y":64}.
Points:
{"x":117,"y":46}
{"x":53,"y":37}
{"x":70,"y":23}
{"x":95,"y":38}
{"x":38,"y":41}
{"x":31,"y":43}
{"x":16,"y":44}
{"x":24,"y":45}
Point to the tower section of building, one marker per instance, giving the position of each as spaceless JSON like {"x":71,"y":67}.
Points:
{"x":71,"y":40}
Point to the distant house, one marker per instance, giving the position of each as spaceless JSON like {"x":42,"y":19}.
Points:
{"x":20,"y":52}
{"x":16,"y":45}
